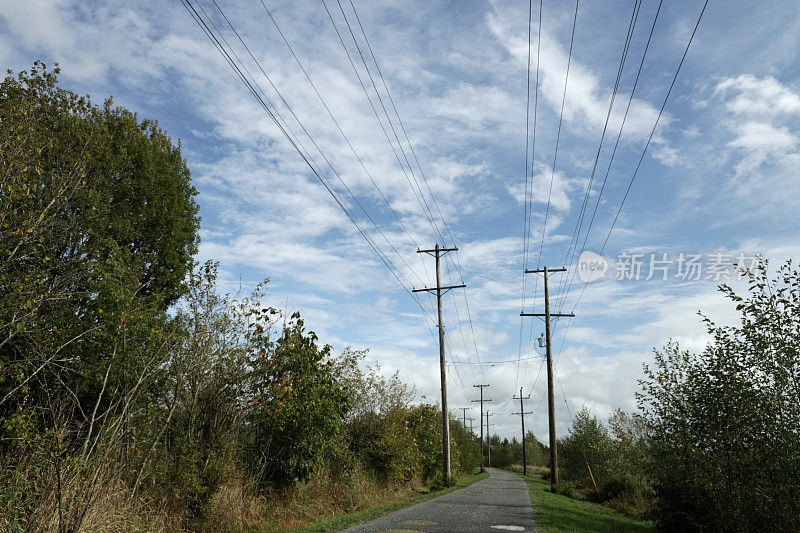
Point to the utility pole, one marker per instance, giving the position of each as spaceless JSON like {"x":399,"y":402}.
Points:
{"x":522,"y":414}
{"x":437,"y":253}
{"x":470,"y":425}
{"x":464,"y":409}
{"x":551,"y":408}
{"x":481,"y":419}
{"x":488,"y":439}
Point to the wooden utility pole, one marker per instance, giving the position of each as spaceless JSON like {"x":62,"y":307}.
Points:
{"x":437,"y":253}
{"x":551,"y":408}
{"x":481,"y":419}
{"x":522,"y":414}
{"x":464,"y":409}
{"x":488,"y":440}
{"x":470,"y":425}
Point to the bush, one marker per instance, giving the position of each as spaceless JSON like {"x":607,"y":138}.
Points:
{"x":723,"y":422}
{"x":565,"y":488}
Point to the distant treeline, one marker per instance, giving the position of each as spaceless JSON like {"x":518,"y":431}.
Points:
{"x":134,"y":395}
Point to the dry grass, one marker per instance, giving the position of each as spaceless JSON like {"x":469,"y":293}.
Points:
{"x":71,"y":498}
{"x":324,"y":498}
{"x":533,"y":470}
{"x":235,"y":507}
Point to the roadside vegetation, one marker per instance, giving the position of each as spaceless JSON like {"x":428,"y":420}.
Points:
{"x":556,"y":513}
{"x":136,"y":394}
{"x":374,"y":510}
{"x":714,"y":445}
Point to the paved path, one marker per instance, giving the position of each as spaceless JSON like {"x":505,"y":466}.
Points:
{"x":499,"y":503}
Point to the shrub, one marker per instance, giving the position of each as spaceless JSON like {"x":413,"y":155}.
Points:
{"x":723,"y":422}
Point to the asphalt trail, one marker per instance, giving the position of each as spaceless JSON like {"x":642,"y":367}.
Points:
{"x":500,"y":502}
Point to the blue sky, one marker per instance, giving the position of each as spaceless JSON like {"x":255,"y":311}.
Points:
{"x":718,"y":177}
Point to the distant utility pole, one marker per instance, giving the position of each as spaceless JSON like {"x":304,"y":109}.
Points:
{"x":437,"y":253}
{"x":522,"y":414}
{"x":488,"y":439}
{"x":470,"y":425}
{"x":464,"y":409}
{"x":551,"y":408}
{"x":481,"y":419}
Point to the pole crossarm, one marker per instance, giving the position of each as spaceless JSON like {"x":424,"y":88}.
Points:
{"x":525,"y":413}
{"x":440,"y":250}
{"x":542,"y":270}
{"x":544,"y":314}
{"x":445,"y":289}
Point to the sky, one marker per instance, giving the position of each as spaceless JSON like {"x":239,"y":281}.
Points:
{"x":716,"y":186}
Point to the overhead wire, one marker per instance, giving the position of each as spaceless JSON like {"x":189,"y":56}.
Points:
{"x":377,"y":117}
{"x":338,"y":126}
{"x":620,"y":69}
{"x":528,"y":199}
{"x":289,"y":108}
{"x":525,"y":196}
{"x":555,"y":157}
{"x":426,"y":208}
{"x":455,"y":262}
{"x":649,"y":140}
{"x":227,"y":56}
{"x":635,"y":173}
{"x":558,"y":134}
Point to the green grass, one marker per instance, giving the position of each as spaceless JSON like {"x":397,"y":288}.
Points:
{"x":555,"y":513}
{"x":341,"y":522}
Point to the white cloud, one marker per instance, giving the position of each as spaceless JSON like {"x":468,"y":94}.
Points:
{"x":586,"y":103}
{"x":758,"y":96}
{"x":763,"y":138}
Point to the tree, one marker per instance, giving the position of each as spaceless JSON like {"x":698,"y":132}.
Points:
{"x":723,"y":423}
{"x":98,"y":224}
{"x":586,"y":445}
{"x":87,"y":195}
{"x":298,"y":408}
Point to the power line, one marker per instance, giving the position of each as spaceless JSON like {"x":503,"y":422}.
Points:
{"x":421,"y":198}
{"x":525,"y":215}
{"x":529,"y":191}
{"x":338,"y":175}
{"x":333,"y":118}
{"x":376,"y":114}
{"x":215,"y":41}
{"x":495,"y":363}
{"x":555,"y":155}
{"x":402,"y":126}
{"x":558,"y":134}
{"x":579,"y":222}
{"x":649,"y":140}
{"x":457,"y":262}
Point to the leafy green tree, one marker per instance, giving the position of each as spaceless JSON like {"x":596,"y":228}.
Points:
{"x":298,"y":408}
{"x":723,"y":423}
{"x":98,"y":224}
{"x":536,"y":452}
{"x":87,"y":195}
{"x":193,"y":424}
{"x":587,"y":443}
{"x":465,"y":448}
{"x":425,"y":423}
